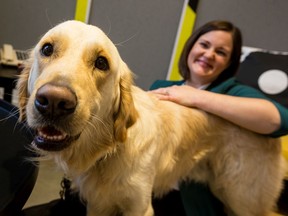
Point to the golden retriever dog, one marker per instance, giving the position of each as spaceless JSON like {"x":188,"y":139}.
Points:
{"x":120,"y":144}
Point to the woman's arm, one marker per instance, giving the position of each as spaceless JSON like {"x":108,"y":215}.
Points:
{"x":258,"y":115}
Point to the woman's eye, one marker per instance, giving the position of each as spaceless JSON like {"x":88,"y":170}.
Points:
{"x":221,"y":53}
{"x":47,"y":49}
{"x":101,"y":63}
{"x":204,"y":45}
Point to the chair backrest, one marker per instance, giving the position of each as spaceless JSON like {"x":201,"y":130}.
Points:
{"x":266,"y":71}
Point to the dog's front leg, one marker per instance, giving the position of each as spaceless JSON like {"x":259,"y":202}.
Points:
{"x":96,"y":211}
{"x":129,"y":207}
{"x":149,"y":211}
{"x":140,"y":212}
{"x":134,"y":211}
{"x":138,"y":201}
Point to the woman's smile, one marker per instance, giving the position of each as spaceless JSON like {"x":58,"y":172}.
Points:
{"x":204,"y":63}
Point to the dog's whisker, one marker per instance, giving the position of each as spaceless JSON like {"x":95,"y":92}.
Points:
{"x":99,"y":122}
{"x":12,"y":114}
{"x":18,"y":126}
{"x":110,"y":26}
{"x":125,"y":41}
{"x":48,"y":19}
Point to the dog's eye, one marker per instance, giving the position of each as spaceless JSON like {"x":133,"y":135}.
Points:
{"x":101,"y":63}
{"x":47,"y":50}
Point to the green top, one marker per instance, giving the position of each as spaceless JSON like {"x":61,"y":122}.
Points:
{"x":196,"y":197}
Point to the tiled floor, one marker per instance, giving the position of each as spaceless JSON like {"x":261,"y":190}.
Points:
{"x":47,"y":186}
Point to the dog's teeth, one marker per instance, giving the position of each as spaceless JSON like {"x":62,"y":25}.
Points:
{"x":53,"y":138}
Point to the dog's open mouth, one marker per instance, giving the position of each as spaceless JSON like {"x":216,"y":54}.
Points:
{"x":50,"y":139}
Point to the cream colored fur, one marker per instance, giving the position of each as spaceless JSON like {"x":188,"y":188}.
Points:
{"x":131,"y":144}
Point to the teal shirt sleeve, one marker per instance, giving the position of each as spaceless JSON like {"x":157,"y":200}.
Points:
{"x":235,"y":88}
{"x":164,"y":83}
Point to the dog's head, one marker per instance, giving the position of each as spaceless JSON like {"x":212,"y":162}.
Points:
{"x":76,"y":82}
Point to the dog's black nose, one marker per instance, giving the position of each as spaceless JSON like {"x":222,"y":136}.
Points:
{"x":55,"y":101}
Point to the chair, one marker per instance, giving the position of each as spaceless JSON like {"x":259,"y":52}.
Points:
{"x":18,"y":174}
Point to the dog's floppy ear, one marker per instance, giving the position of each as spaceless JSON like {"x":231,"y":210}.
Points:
{"x":22,"y":86}
{"x":126,"y":114}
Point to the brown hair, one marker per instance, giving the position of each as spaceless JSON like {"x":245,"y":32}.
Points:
{"x":231,"y":70}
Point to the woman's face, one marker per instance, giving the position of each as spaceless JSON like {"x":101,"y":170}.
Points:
{"x":209,"y":56}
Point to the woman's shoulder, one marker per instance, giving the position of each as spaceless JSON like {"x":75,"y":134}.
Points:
{"x":165,"y":83}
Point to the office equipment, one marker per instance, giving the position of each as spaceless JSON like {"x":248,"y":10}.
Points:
{"x":11,"y":57}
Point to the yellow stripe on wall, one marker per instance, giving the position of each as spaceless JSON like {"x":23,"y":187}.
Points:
{"x":187,"y":24}
{"x":82,"y":10}
{"x":284,"y":140}
{"x":186,"y":30}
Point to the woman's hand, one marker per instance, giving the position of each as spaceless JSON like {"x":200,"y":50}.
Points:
{"x":258,"y":115}
{"x":183,"y":95}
